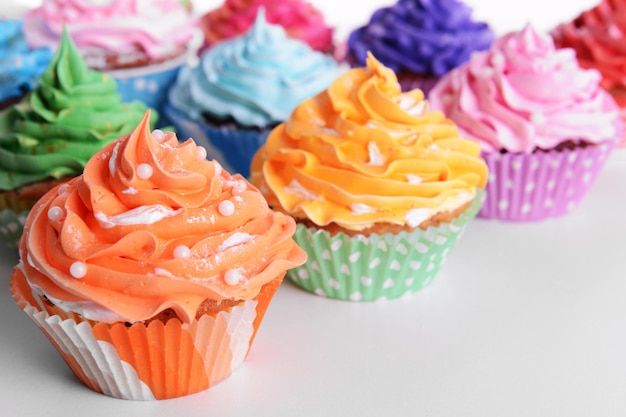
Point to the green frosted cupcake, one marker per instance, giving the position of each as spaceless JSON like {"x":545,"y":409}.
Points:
{"x":381,"y":187}
{"x":48,"y":137}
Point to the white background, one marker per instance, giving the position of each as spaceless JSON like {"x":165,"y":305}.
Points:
{"x":523,"y":320}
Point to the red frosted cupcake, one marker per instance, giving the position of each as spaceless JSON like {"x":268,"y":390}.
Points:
{"x":598,"y":36}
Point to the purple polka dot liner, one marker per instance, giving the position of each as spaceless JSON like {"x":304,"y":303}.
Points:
{"x":541,"y":185}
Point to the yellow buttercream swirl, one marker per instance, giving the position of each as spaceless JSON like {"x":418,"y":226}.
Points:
{"x":153,"y":225}
{"x":362,"y":152}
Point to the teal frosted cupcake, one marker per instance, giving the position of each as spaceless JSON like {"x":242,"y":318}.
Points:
{"x":244,"y":87}
{"x":20,"y":66}
{"x":49,"y":135}
{"x":381,"y":188}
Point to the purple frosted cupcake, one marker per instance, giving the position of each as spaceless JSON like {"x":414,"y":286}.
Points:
{"x":421,"y":40}
{"x":545,"y":125}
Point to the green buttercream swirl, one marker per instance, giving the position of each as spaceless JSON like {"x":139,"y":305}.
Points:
{"x":71,"y":115}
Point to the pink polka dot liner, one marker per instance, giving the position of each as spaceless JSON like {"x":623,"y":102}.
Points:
{"x":541,"y":185}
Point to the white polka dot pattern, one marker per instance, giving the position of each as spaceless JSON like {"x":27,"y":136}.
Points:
{"x":12,"y":226}
{"x":378,"y":266}
{"x":540,"y":185}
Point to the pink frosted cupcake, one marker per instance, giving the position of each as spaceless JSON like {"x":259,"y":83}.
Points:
{"x":545,"y":125}
{"x":142,"y":44}
{"x":299,"y":18}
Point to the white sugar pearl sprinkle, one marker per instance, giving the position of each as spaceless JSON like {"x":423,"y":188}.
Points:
{"x":239,"y":188}
{"x":78,"y":269}
{"x":201,"y":156}
{"x":144,"y":171}
{"x":55,"y":213}
{"x":232,"y":277}
{"x":182,"y":252}
{"x":158,"y":135}
{"x":226,"y":208}
{"x":63,"y":188}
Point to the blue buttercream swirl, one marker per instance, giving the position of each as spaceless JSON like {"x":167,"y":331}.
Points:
{"x":20,"y":66}
{"x":257,"y":79}
{"x":421,"y":36}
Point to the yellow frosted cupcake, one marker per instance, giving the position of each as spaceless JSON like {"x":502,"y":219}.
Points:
{"x":380,"y":186}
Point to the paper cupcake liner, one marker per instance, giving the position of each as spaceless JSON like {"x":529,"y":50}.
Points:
{"x":541,"y":185}
{"x":13,"y":213}
{"x":368,"y":268}
{"x":410,"y":82}
{"x":12,"y":226}
{"x":232,"y":147}
{"x":149,"y":84}
{"x":157,"y":361}
{"x":622,"y":142}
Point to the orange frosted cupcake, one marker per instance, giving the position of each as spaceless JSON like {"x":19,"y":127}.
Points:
{"x":151,"y":272}
{"x":380,"y":186}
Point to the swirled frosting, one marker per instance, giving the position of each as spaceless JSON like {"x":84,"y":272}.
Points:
{"x":421,"y":36}
{"x":299,"y":18}
{"x":523,"y":94}
{"x":597,"y":35}
{"x":257,"y":79}
{"x":153,"y":225}
{"x":362,"y":152}
{"x":133,"y":29}
{"x":71,"y":114}
{"x":20,"y":66}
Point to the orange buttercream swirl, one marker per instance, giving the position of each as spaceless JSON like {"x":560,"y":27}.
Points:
{"x":362,"y":152}
{"x":153,"y":225}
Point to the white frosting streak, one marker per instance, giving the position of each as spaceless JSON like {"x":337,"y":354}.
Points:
{"x":140,"y":215}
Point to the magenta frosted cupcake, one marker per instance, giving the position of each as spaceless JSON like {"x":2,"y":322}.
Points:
{"x":300,"y":19}
{"x":545,"y":125}
{"x":420,"y":40}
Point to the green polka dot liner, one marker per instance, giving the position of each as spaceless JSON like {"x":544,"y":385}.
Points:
{"x":12,"y":226}
{"x":375,"y":267}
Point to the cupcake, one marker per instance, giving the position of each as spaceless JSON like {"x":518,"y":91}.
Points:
{"x":597,"y":35}
{"x":298,"y":17}
{"x":20,"y":66}
{"x":420,"y":40}
{"x":544,"y":124}
{"x":48,"y":136}
{"x":381,"y":188}
{"x":242,"y":88}
{"x":140,"y":43}
{"x":152,"y":271}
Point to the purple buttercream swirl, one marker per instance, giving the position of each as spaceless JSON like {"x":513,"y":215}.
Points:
{"x":421,"y":36}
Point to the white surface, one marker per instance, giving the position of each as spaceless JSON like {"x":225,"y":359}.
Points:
{"x":523,"y":320}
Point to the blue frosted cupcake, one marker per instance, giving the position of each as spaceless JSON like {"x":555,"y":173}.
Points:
{"x":242,"y":88}
{"x":20,"y":66}
{"x":420,"y":40}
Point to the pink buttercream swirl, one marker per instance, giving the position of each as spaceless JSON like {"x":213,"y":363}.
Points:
{"x":299,"y":18}
{"x":154,"y":27}
{"x":523,"y":94}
